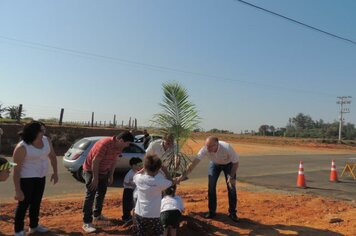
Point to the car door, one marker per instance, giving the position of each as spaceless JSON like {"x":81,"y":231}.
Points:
{"x":131,"y":151}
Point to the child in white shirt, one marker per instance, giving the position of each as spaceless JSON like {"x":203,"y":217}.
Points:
{"x":129,"y":187}
{"x":171,"y":211}
{"x":149,"y":184}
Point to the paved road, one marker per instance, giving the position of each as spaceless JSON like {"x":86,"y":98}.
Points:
{"x":281,"y":171}
{"x":277,"y":172}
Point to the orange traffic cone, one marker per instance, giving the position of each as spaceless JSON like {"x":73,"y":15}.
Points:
{"x":333,"y":173}
{"x":301,"y":179}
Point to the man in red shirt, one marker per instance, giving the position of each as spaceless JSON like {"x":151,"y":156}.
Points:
{"x":98,"y":173}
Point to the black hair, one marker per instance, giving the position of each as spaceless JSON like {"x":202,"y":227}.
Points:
{"x":126,"y":136}
{"x":170,"y":191}
{"x":152,"y":163}
{"x":135,"y":161}
{"x":30,"y":131}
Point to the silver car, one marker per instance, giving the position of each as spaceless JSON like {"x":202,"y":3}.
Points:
{"x":138,"y":139}
{"x":74,"y":158}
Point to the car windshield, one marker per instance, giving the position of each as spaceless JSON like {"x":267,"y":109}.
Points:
{"x":82,"y":144}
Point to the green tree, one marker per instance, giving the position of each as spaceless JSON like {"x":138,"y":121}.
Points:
{"x":179,"y":117}
{"x":2,"y":109}
{"x":302,"y":121}
{"x":263,"y":130}
{"x":349,"y":131}
{"x":13,"y":112}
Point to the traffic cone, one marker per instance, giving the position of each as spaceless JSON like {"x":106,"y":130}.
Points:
{"x":333,"y":173}
{"x":301,"y":178}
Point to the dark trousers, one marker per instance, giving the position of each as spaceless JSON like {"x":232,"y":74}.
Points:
{"x":94,"y":197}
{"x":214,"y":172}
{"x":127,"y":203}
{"x":32,"y":189}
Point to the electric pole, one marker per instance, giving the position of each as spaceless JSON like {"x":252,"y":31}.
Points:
{"x":343,"y":100}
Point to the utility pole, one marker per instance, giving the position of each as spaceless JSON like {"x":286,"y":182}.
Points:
{"x":343,"y":100}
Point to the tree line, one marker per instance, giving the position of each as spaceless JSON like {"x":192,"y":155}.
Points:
{"x":303,"y":126}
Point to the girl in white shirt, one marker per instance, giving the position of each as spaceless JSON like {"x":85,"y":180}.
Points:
{"x":149,"y":184}
{"x":171,"y":211}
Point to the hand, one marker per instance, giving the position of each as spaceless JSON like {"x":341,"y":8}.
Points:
{"x":94,"y":184}
{"x":140,"y":171}
{"x":180,"y":178}
{"x":231,"y":181}
{"x":176,"y":180}
{"x":19,"y":196}
{"x":110,"y":180}
{"x":54,"y":178}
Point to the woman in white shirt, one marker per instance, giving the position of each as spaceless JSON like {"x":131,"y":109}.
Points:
{"x":31,"y":156}
{"x":171,"y":211}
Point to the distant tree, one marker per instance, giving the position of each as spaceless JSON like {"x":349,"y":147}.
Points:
{"x":2,"y":109}
{"x":13,"y":112}
{"x":302,"y":121}
{"x":263,"y":130}
{"x":349,"y":131}
{"x":272,"y":129}
{"x":221,"y":131}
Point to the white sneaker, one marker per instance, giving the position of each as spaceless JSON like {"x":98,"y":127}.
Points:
{"x":39,"y":229}
{"x":88,"y":228}
{"x":21,"y":233}
{"x":100,"y":218}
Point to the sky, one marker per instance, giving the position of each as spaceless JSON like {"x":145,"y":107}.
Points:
{"x":241,"y":66}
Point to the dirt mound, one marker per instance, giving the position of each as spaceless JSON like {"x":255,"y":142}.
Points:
{"x":261,"y":213}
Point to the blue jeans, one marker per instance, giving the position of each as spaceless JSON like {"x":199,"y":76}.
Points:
{"x":94,"y":197}
{"x":214,"y":173}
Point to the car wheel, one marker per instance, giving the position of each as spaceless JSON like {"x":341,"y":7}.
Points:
{"x":79,"y":175}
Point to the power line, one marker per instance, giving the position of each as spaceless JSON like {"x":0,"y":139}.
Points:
{"x":47,"y":47}
{"x":298,"y":22}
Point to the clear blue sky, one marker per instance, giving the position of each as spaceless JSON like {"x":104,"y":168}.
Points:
{"x":245,"y":67}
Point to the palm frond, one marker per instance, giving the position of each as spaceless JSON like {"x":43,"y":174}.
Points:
{"x":178,"y":117}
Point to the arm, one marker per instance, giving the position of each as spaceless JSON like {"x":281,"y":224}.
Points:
{"x":234,"y":168}
{"x":166,"y":173}
{"x":95,"y":180}
{"x":231,"y":180}
{"x":235,"y":164}
{"x":19,"y":155}
{"x":190,"y":168}
{"x":53,"y":158}
{"x":112,"y":171}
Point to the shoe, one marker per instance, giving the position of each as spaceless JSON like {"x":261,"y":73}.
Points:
{"x":210,"y":215}
{"x":39,"y":229}
{"x":21,"y":233}
{"x":88,"y":228}
{"x":234,"y":217}
{"x":100,"y":218}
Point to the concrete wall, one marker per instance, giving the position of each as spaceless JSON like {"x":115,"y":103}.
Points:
{"x":62,"y":137}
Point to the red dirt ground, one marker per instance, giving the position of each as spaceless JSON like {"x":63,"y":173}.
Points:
{"x":261,"y":213}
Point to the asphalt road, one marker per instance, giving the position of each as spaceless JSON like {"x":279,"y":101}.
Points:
{"x":275,"y":172}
